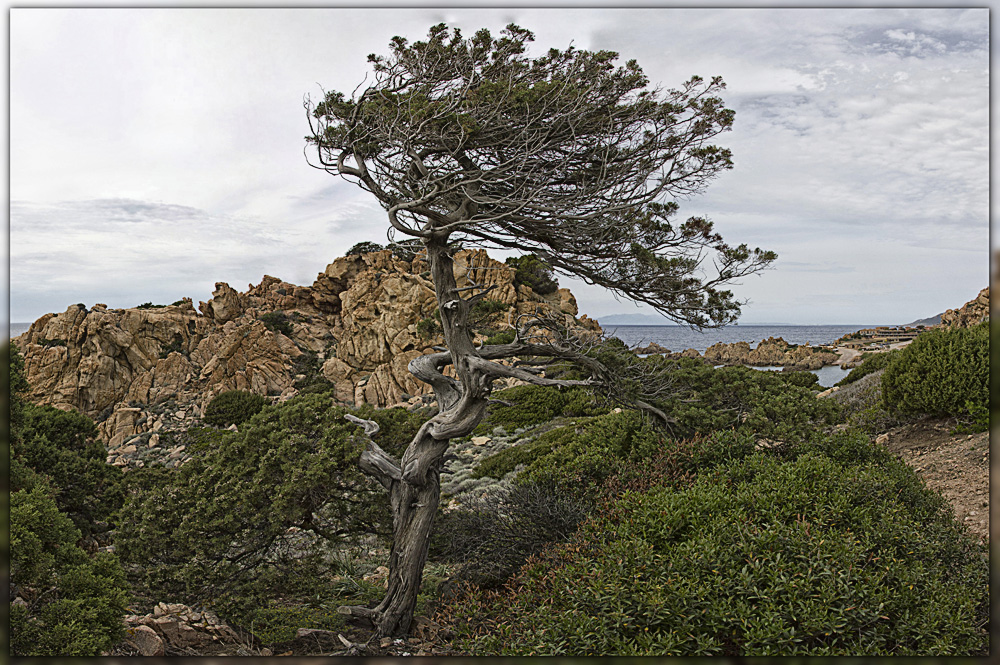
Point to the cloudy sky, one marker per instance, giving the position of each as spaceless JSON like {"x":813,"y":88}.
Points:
{"x":154,"y":152}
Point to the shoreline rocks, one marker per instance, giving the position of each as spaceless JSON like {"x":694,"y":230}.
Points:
{"x":769,"y":352}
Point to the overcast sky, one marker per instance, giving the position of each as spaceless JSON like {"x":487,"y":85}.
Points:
{"x":154,"y":152}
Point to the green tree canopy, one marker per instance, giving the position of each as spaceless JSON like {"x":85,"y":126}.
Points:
{"x":567,"y":156}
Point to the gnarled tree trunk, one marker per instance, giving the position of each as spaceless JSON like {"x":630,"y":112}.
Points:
{"x":414,"y":484}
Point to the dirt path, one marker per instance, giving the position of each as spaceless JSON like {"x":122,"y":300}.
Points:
{"x":846,"y":354}
{"x":956,"y":465}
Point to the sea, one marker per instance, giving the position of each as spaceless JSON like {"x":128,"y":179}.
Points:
{"x":681,"y":338}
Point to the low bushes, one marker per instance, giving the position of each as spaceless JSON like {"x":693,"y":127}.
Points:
{"x":71,"y":604}
{"x":255,"y":514}
{"x":493,"y":536}
{"x":871,"y":362}
{"x":531,"y":271}
{"x":277,"y":322}
{"x":233,"y":407}
{"x":63,"y":602}
{"x":364,"y":247}
{"x":863,"y":406}
{"x":830,"y":547}
{"x":708,"y":399}
{"x":61,"y":447}
{"x":943,"y":373}
{"x":525,"y":406}
{"x":578,"y":456}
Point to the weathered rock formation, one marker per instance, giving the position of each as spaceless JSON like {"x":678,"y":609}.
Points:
{"x":971,"y":313}
{"x":147,"y":371}
{"x":654,"y":348}
{"x":771,"y":351}
{"x":175,"y":629}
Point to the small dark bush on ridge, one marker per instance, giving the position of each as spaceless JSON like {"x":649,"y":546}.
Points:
{"x":534,"y":273}
{"x":277,"y":322}
{"x":364,"y":247}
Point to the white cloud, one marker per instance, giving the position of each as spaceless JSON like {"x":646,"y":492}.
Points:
{"x":166,"y":144}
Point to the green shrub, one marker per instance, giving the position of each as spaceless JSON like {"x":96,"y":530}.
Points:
{"x":277,"y":322}
{"x":61,"y":446}
{"x":801,"y":378}
{"x":943,"y":373}
{"x":70,"y":604}
{"x":148,"y":305}
{"x":430,"y":327}
{"x":313,"y":380}
{"x":578,"y":456}
{"x":831,"y":547}
{"x":501,"y":337}
{"x":494,"y":535}
{"x":707,"y":399}
{"x":233,"y":407}
{"x":528,"y":405}
{"x":486,"y":307}
{"x":258,"y":514}
{"x":280,"y":624}
{"x":871,"y":362}
{"x":176,"y":345}
{"x":531,"y":271}
{"x":863,"y":406}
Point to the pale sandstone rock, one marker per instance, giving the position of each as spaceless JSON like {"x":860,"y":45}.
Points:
{"x":771,"y":351}
{"x":359,"y":318}
{"x":971,"y":313}
{"x":145,"y":640}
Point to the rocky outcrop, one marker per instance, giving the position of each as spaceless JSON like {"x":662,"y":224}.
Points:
{"x":175,"y":629}
{"x":143,"y":372}
{"x":771,"y":351}
{"x":651,"y":348}
{"x":971,"y":313}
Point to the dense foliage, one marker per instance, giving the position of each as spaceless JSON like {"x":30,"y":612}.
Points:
{"x":767,"y":403}
{"x":522,"y":406}
{"x":277,"y":322}
{"x":862,"y":406}
{"x":233,"y":407}
{"x":774,"y":405}
{"x":870,"y":363}
{"x":64,"y":602}
{"x":62,"y":447}
{"x":74,"y":602}
{"x":494,"y":534}
{"x":831,"y":547}
{"x":534,"y":273}
{"x":943,"y":372}
{"x":256,"y":513}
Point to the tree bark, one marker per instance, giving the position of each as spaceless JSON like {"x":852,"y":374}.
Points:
{"x":415,"y":485}
{"x":413,"y":511}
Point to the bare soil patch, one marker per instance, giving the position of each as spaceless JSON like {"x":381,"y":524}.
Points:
{"x":956,"y":465}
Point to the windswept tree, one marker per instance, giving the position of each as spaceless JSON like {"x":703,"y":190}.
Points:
{"x":566,"y":156}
